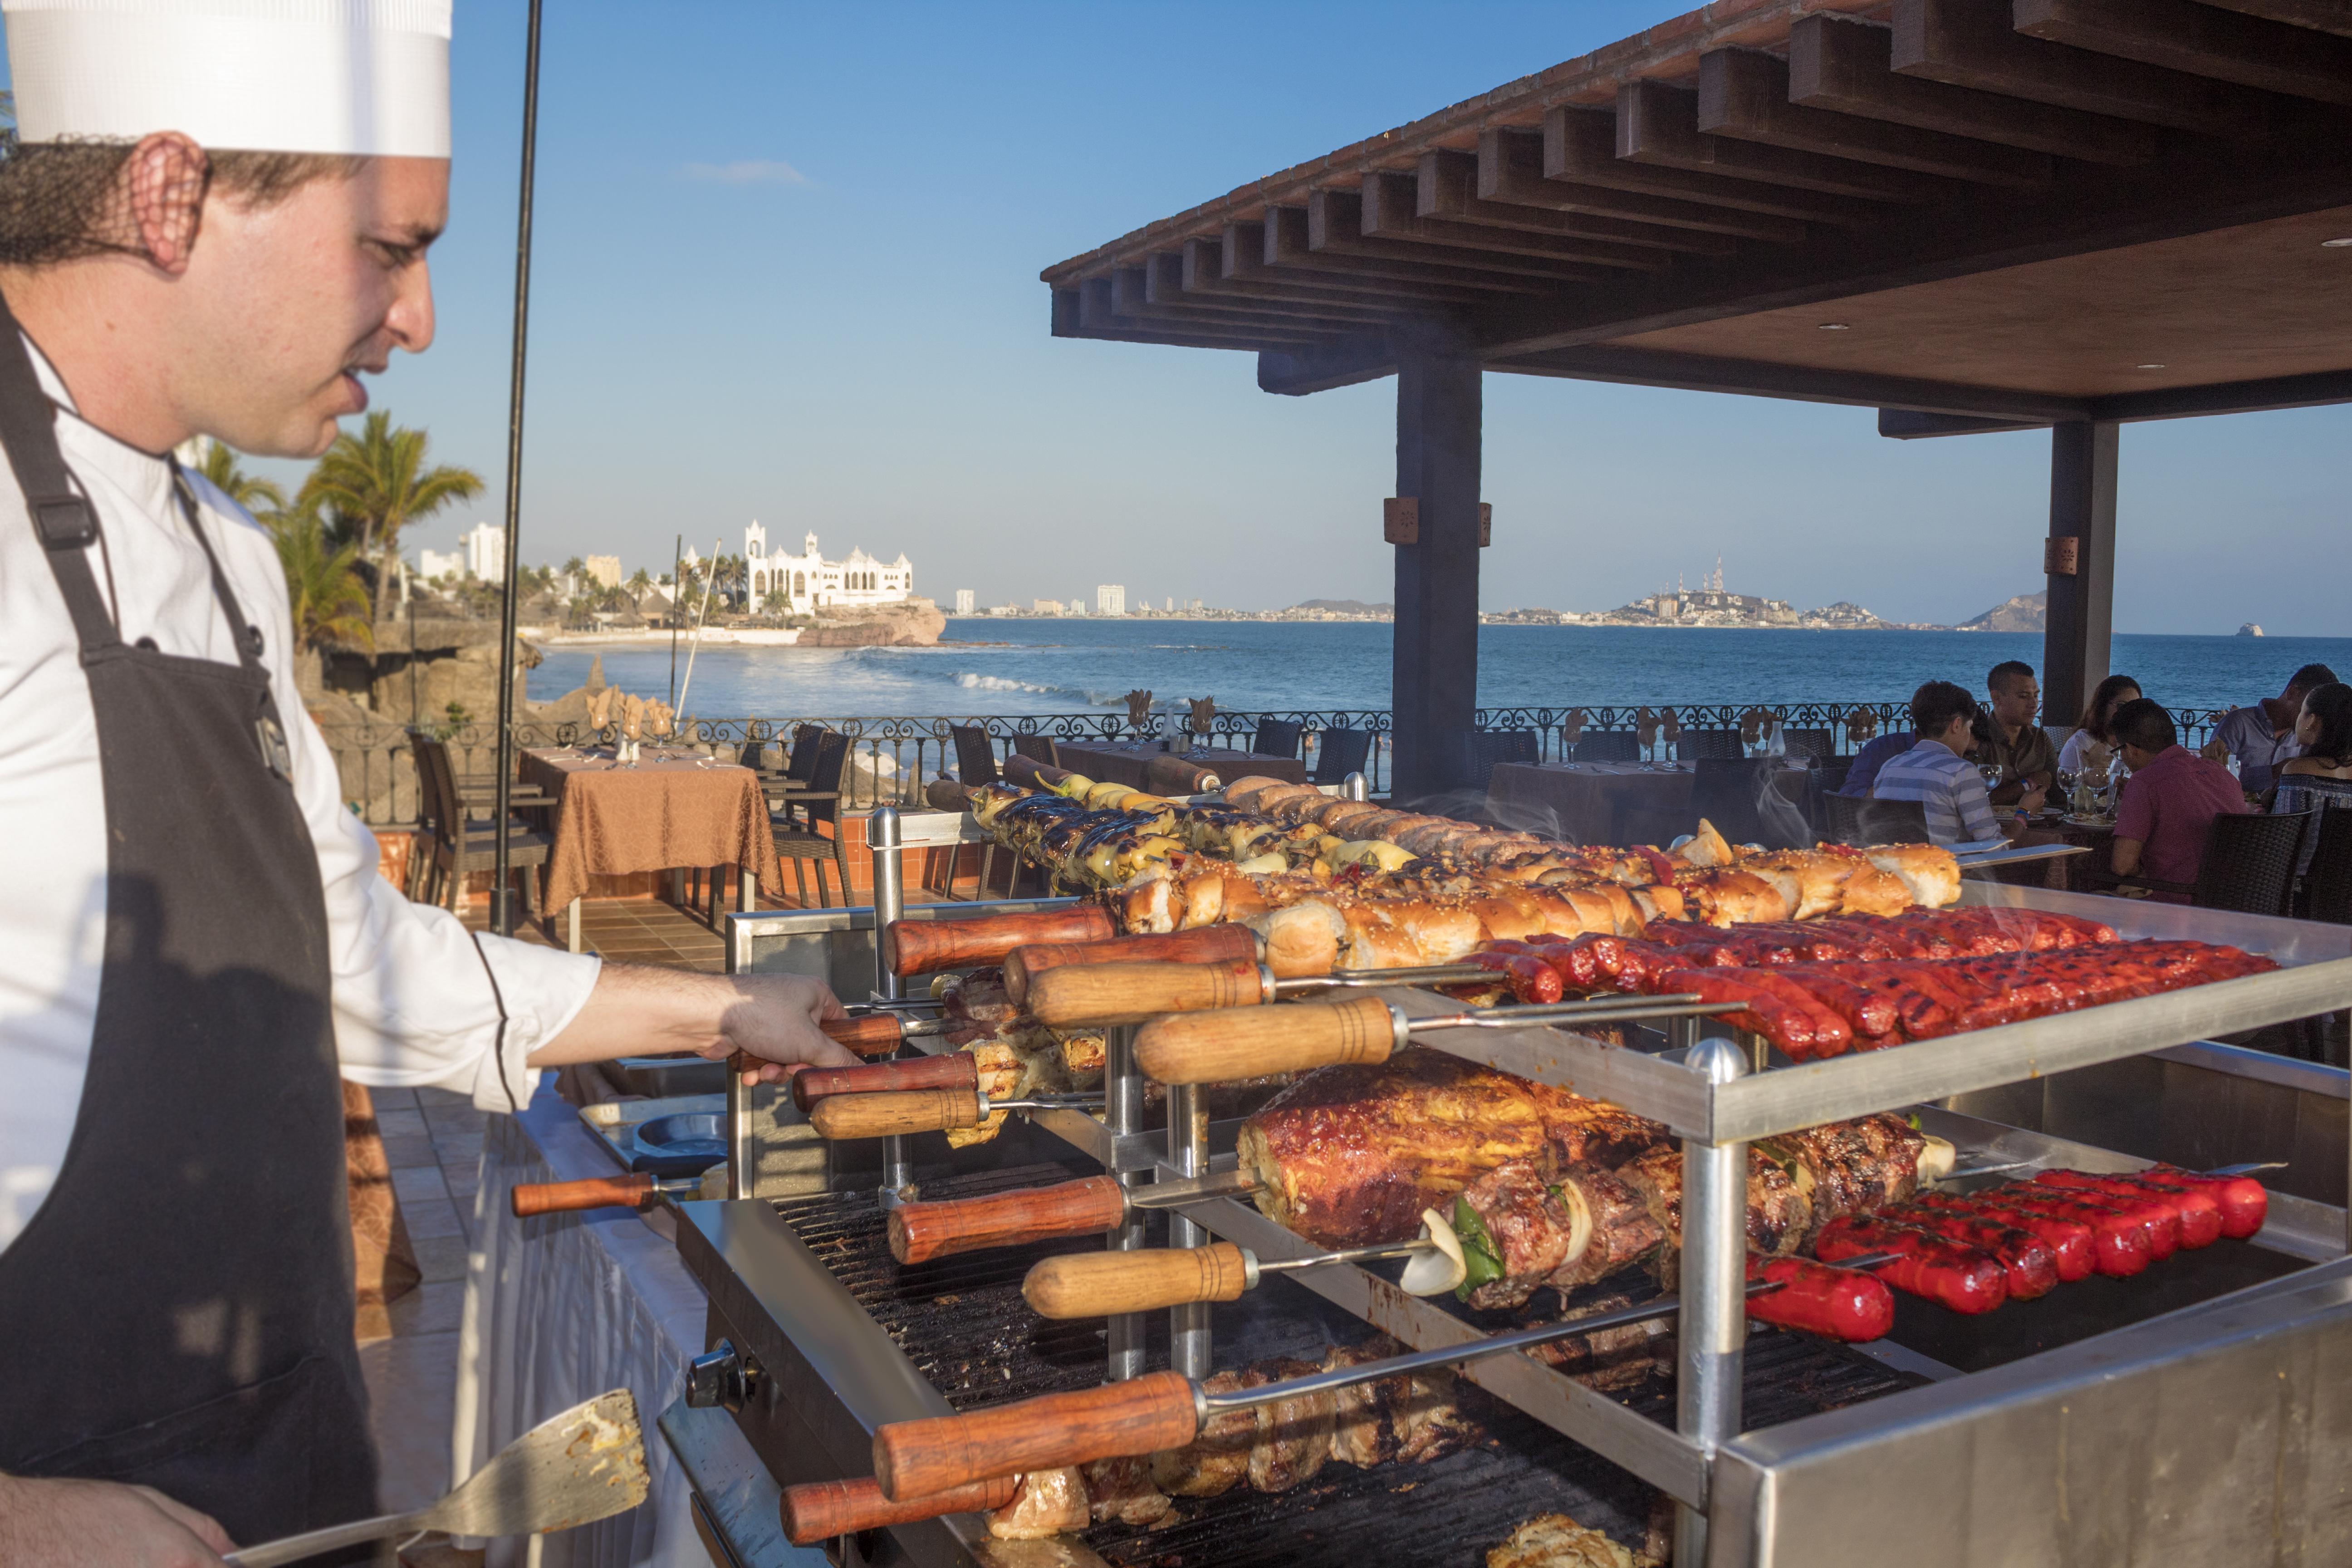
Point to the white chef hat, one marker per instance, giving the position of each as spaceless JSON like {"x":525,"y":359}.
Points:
{"x":352,"y":77}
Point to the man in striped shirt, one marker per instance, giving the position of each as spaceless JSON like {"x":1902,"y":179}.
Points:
{"x":1936,"y":771}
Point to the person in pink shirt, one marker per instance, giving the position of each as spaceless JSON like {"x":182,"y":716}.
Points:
{"x":2170,"y":802}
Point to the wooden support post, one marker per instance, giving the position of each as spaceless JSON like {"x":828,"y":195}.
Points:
{"x":2081,"y":559}
{"x":1435,"y":649}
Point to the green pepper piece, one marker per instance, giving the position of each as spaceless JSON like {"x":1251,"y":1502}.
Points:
{"x":1481,"y":1262}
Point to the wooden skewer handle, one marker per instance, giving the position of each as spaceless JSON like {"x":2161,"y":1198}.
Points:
{"x":843,"y":1116}
{"x":819,"y":1510}
{"x":1099,"y":1284}
{"x":875,"y":1035}
{"x":948,"y":1069}
{"x":1129,"y":993}
{"x":1141,"y":1416}
{"x":920,"y":947}
{"x":1243,"y":1042}
{"x":529,"y":1198}
{"x":1202,"y":945}
{"x":923,"y":1231}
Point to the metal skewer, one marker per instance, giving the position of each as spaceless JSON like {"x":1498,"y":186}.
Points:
{"x":1167,"y":1410}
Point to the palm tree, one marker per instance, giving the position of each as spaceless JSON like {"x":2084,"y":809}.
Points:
{"x":258,"y":495}
{"x":323,"y":588}
{"x":375,"y":483}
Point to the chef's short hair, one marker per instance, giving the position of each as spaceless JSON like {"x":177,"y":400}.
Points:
{"x":64,"y":201}
{"x":2146,"y":724}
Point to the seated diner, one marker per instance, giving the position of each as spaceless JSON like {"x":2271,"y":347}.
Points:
{"x":2169,"y":803}
{"x":1936,"y":771}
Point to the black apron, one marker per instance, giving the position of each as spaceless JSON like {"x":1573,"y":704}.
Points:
{"x":179,"y":1311}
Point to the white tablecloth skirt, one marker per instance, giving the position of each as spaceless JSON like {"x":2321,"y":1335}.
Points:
{"x":560,"y":1309}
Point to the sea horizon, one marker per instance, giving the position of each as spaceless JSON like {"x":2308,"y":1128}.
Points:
{"x":1072,"y":664}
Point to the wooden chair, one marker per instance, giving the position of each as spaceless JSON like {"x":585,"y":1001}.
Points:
{"x":1276,"y":738}
{"x":1700,"y":744}
{"x":456,"y":847}
{"x":2248,"y":867}
{"x":801,"y":843}
{"x":1490,"y":748}
{"x":1338,"y":753}
{"x":785,"y":785}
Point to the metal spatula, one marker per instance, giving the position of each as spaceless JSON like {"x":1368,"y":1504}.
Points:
{"x":573,"y":1469}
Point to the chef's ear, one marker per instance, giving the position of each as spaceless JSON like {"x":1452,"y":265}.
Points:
{"x":166,"y":178}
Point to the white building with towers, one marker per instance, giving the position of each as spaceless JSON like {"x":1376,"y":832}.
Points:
{"x":1110,"y":599}
{"x":809,"y":581}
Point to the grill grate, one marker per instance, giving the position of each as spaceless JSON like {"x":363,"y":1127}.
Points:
{"x":963,"y":1324}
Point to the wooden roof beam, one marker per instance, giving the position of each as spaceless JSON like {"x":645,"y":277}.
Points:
{"x":1744,"y":95}
{"x":1201,"y":275}
{"x":1658,"y":125}
{"x":1245,"y":256}
{"x":1098,"y":311}
{"x":1846,"y":67}
{"x":1286,"y":250}
{"x":1334,"y":230}
{"x":1446,"y":187}
{"x":1968,"y":43}
{"x":2327,"y":15}
{"x":1157,"y":289}
{"x":1807,"y":383}
{"x":2200,"y":40}
{"x":1515,"y":169}
{"x":1391,"y":210}
{"x":1072,"y":318}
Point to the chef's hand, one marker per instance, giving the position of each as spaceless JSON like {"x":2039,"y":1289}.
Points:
{"x":637,"y":1009}
{"x":777,"y":1023}
{"x":103,"y":1524}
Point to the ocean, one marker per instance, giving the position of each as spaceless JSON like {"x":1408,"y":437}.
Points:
{"x":1041,"y":666}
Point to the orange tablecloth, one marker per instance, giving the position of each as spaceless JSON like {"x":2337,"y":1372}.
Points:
{"x":673,"y":808}
{"x":1607,"y":803}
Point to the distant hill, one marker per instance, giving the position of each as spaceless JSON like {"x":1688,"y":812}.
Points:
{"x":1345,"y":606}
{"x":2025,"y":613}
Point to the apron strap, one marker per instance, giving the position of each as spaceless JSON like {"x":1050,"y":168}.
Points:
{"x":61,"y":513}
{"x":246,"y":636}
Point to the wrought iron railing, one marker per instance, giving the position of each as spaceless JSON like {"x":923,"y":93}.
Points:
{"x":892,"y":759}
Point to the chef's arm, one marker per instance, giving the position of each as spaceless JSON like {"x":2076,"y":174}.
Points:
{"x":102,"y":1524}
{"x":639,"y":1010}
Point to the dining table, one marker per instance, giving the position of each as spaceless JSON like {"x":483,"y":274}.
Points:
{"x":1611,"y":802}
{"x":1150,"y":764}
{"x":673,"y":806}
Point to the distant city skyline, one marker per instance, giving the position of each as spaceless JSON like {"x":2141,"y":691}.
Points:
{"x":755,"y":297}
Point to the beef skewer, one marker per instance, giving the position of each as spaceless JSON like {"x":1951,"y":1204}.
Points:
{"x":1104,"y":1284}
{"x":1166,"y":1410}
{"x":1242,"y":1042}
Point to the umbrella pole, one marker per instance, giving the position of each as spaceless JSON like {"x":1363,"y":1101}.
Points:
{"x":501,"y":906}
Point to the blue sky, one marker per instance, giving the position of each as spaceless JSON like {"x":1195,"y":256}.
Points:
{"x":787,"y":268}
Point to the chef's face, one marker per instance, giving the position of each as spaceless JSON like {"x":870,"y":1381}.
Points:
{"x":303,"y":296}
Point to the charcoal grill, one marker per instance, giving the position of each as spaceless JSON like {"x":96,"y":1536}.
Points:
{"x":1774,"y":1447}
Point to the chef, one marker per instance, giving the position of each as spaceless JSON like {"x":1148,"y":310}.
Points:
{"x":216,"y":226}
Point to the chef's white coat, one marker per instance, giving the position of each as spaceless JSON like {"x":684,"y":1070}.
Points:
{"x":414,"y":1005}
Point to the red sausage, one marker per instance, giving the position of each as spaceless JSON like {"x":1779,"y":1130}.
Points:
{"x":2121,"y":1241}
{"x":1836,"y":1303}
{"x":1964,"y":1279}
{"x":1532,"y":980}
{"x":1791,"y":1026}
{"x":2198,"y":1211}
{"x":2245,"y":1202}
{"x":1578,"y":970}
{"x":2154,"y":1210}
{"x":1871,"y":1015}
{"x":2070,"y":1244}
{"x":2031,"y":1267}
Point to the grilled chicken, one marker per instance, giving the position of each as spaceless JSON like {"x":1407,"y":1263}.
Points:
{"x":1556,"y":1541}
{"x":1294,"y":1435}
{"x":1049,"y":1502}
